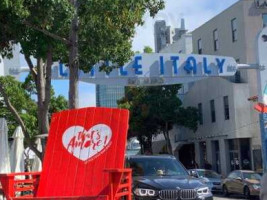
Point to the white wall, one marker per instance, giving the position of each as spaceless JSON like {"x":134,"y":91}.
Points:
{"x":222,"y":23}
{"x":202,"y":92}
{"x":240,"y":125}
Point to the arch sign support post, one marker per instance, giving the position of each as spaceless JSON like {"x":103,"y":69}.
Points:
{"x":169,"y":68}
{"x":262,"y":91}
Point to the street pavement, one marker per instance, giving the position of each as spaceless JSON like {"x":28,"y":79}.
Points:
{"x":234,"y":197}
{"x":228,"y":198}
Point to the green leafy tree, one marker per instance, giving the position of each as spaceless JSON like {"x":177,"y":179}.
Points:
{"x":35,"y":26}
{"x":156,"y":110}
{"x":84,"y":32}
{"x":80,"y":33}
{"x":102,"y":30}
{"x":148,"y":49}
{"x":141,"y":122}
{"x":23,"y":107}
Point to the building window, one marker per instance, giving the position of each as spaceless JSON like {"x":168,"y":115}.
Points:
{"x":200,"y":112}
{"x":264,"y":18}
{"x":226,"y":108}
{"x":234,"y":154}
{"x":215,"y":40}
{"x":234,"y":30}
{"x":199,"y":46}
{"x":212,"y":111}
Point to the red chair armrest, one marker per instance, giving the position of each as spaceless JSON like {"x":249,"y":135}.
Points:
{"x":120,"y":183}
{"x":21,"y":174}
{"x":11,"y":185}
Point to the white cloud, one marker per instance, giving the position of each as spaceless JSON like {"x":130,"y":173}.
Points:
{"x":195,"y":13}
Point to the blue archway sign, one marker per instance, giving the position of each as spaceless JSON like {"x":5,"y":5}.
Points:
{"x":158,"y":69}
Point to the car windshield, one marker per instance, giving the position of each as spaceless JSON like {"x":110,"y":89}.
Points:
{"x":157,"y":167}
{"x":208,"y":174}
{"x":251,"y":176}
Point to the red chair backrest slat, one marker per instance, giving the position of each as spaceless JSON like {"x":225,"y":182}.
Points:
{"x":81,"y":144}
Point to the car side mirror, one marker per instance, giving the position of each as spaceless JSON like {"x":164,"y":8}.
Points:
{"x":193,"y":173}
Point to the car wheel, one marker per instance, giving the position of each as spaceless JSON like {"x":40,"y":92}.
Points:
{"x":246,"y":193}
{"x":225,"y":191}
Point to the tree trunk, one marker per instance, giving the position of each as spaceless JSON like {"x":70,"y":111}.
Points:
{"x":44,"y":91}
{"x":149,"y":145}
{"x":146,"y":144}
{"x":73,"y":59}
{"x":48,"y":74}
{"x":73,"y":87}
{"x":40,"y":86}
{"x":141,"y":141}
{"x":169,"y":145}
{"x":42,"y":79}
{"x":167,"y":138}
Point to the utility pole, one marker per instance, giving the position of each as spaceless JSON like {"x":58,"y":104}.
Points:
{"x":261,"y":107}
{"x":262,"y":84}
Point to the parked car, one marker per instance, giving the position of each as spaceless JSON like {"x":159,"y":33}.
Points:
{"x":211,"y":178}
{"x":242,"y":182}
{"x":263,"y":193}
{"x":164,"y":178}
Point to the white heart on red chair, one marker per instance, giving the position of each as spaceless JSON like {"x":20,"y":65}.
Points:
{"x":86,"y":145}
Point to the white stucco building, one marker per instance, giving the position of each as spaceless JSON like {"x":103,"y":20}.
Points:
{"x":228,"y":136}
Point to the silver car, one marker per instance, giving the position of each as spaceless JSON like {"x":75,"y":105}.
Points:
{"x":242,"y":182}
{"x":209,"y":177}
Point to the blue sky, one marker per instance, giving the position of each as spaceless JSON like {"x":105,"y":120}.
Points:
{"x":195,"y":13}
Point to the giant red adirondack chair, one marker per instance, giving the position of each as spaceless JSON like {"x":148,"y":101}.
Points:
{"x":84,"y":159}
